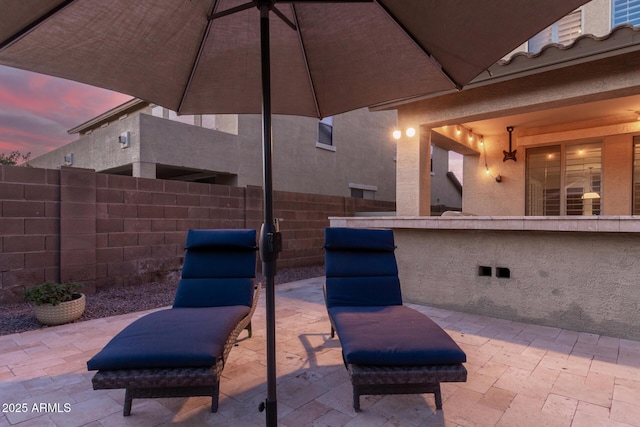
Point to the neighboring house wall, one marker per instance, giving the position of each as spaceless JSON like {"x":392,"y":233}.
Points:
{"x":361,"y":154}
{"x":109,"y":230}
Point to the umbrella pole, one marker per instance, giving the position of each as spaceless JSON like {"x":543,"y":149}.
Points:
{"x":270,"y":239}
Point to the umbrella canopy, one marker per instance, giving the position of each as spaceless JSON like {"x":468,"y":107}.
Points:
{"x":340,"y":56}
{"x":318,"y":57}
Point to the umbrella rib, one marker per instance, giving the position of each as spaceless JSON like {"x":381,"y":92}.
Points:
{"x":33,"y":25}
{"x":194,"y":67}
{"x":424,"y":50}
{"x":284,"y":18}
{"x":231,"y":11}
{"x":205,"y":35}
{"x":306,"y":62}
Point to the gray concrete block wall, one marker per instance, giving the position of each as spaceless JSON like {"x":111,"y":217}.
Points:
{"x":109,"y":230}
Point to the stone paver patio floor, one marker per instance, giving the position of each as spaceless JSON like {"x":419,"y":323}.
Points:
{"x":519,"y":375}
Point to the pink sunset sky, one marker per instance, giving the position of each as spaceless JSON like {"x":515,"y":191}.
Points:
{"x":36,"y":111}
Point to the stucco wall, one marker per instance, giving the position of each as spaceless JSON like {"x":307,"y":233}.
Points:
{"x":482,"y":195}
{"x":578,"y":281}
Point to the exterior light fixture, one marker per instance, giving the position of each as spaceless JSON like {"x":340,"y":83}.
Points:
{"x":125,"y":139}
{"x":397,"y":134}
{"x":410,"y":132}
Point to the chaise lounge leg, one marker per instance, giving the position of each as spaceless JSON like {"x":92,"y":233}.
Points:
{"x":214,"y":397}
{"x":356,"y":400}
{"x":249,"y":330}
{"x":437,"y":395}
{"x":127,"y":403}
{"x":333,"y":332}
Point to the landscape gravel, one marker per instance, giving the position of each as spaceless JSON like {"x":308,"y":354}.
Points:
{"x":18,"y":317}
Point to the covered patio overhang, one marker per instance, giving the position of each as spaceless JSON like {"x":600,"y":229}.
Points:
{"x":572,"y":269}
{"x":586,"y":91}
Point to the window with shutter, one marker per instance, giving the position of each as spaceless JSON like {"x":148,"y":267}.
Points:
{"x":625,"y":12}
{"x":564,"y":32}
{"x":325,"y":131}
{"x":564,"y":180}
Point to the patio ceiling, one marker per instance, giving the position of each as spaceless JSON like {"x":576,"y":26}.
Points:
{"x":616,"y":110}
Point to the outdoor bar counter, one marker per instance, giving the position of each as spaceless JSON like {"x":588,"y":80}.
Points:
{"x":575,"y":272}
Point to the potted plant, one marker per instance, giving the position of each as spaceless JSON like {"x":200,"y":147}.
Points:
{"x":56,"y":303}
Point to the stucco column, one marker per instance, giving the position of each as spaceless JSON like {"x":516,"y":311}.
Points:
{"x":413,"y":169}
{"x":144,"y":170}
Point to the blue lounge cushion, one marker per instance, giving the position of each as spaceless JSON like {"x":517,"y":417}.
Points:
{"x":358,"y":239}
{"x":214,"y":292}
{"x":199,"y":263}
{"x":171,"y":338}
{"x":392,"y":335}
{"x":218,"y":269}
{"x":361,"y":268}
{"x":363,"y":291}
{"x":221,"y":239}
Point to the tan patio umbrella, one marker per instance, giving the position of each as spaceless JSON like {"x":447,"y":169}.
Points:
{"x":319,"y":58}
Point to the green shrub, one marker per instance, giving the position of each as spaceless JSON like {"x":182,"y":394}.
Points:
{"x":52,"y":293}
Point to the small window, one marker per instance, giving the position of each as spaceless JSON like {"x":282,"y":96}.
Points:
{"x":187,"y":119}
{"x":625,"y":12}
{"x":360,"y":191}
{"x":209,"y":121}
{"x":325,"y":131}
{"x":357,"y":193}
{"x":157,"y":111}
{"x":563,"y":32}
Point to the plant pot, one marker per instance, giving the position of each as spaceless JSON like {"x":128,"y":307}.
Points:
{"x":64,"y":312}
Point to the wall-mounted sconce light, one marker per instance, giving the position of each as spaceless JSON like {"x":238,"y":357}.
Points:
{"x":409,"y":132}
{"x":68,"y":159}
{"x":511,"y":154}
{"x":125,"y":139}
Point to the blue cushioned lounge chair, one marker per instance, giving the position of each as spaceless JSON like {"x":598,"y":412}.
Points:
{"x":182,"y":351}
{"x":387,"y":348}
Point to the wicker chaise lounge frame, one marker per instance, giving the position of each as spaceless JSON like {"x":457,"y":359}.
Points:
{"x":403,"y":380}
{"x":173,"y":382}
